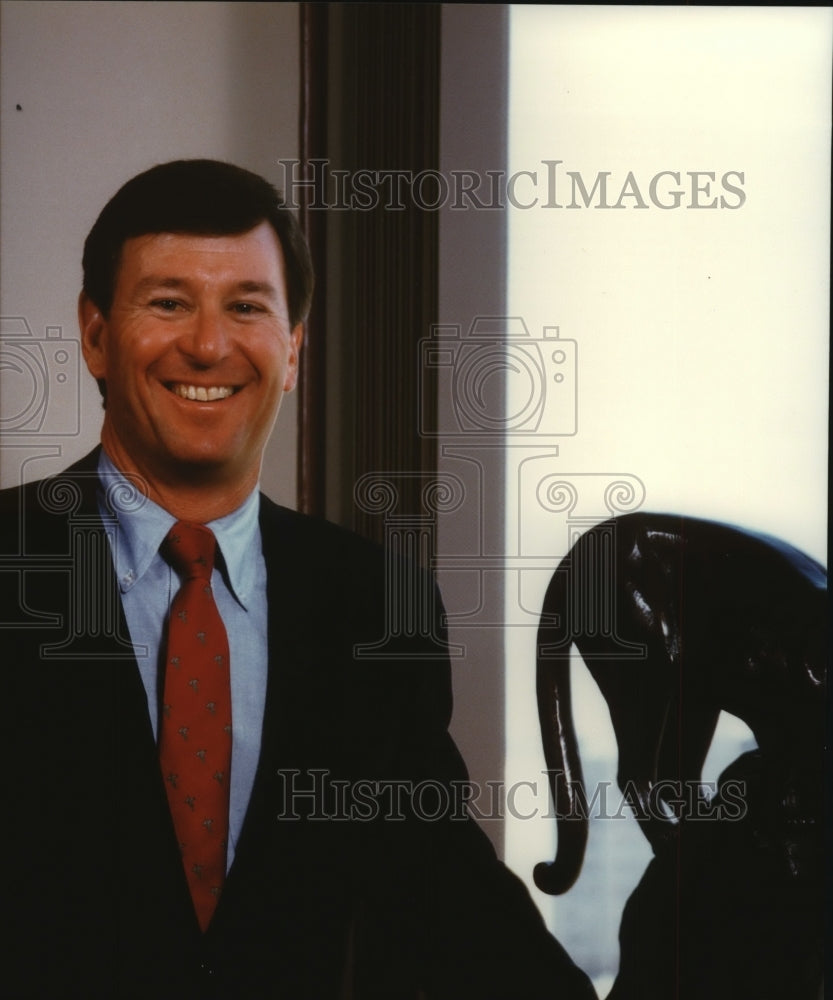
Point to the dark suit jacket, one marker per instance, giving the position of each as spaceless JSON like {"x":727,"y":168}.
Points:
{"x":328,"y":896}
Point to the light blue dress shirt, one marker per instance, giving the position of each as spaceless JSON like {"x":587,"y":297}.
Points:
{"x":136,"y":527}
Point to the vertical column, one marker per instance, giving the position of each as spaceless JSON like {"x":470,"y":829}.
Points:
{"x":411,"y":601}
{"x":93,"y":625}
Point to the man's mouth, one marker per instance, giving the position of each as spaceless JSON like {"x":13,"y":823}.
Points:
{"x":202,"y":393}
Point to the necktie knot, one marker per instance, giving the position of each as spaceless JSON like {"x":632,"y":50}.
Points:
{"x":190,"y":549}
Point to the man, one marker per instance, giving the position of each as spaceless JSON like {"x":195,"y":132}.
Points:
{"x":304,"y":865}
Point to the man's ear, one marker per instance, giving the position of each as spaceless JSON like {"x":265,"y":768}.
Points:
{"x":296,"y":338}
{"x":93,"y":342}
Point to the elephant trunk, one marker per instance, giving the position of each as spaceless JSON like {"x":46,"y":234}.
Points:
{"x":560,"y":746}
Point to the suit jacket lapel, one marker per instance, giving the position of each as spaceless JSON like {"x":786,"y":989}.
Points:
{"x":282,"y":676}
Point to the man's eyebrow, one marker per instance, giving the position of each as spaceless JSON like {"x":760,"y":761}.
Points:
{"x":249,"y":286}
{"x":257,"y":287}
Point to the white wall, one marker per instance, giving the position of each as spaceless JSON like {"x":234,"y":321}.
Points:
{"x":93,"y":93}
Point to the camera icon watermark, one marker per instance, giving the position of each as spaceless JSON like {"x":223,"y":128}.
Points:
{"x":498,"y":380}
{"x":40,"y":381}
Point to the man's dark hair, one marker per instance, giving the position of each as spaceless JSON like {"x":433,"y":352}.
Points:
{"x":195,"y":197}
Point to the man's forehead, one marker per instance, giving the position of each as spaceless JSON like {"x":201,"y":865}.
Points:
{"x":253,"y":258}
{"x":261,"y":236}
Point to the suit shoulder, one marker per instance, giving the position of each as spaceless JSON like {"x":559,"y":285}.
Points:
{"x":21,"y":508}
{"x":314,"y":538}
{"x":58,"y":493}
{"x":41,"y":509}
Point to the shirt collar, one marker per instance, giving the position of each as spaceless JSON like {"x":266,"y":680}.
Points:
{"x":140,"y":527}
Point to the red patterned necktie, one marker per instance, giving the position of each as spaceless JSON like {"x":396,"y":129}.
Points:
{"x":195,"y":729}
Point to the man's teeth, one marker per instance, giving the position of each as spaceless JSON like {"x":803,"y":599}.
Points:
{"x":201,"y":393}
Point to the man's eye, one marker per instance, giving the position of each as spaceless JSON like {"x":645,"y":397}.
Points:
{"x":246,"y":308}
{"x":166,"y":305}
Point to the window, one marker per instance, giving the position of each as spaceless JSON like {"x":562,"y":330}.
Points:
{"x":667,"y":197}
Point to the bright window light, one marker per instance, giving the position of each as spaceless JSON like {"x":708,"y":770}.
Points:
{"x":669,"y":170}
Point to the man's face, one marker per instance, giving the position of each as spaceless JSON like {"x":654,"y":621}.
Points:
{"x":197,"y":352}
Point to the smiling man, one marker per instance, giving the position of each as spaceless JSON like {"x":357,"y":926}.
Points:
{"x":190,"y":719}
{"x":196,"y":351}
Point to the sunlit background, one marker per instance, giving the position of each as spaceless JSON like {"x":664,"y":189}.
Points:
{"x":701,"y":333}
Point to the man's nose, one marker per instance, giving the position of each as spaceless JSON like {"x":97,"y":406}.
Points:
{"x":208,"y":340}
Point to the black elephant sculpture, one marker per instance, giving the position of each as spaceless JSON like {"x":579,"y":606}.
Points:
{"x":676,"y":619}
{"x":718,"y":915}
